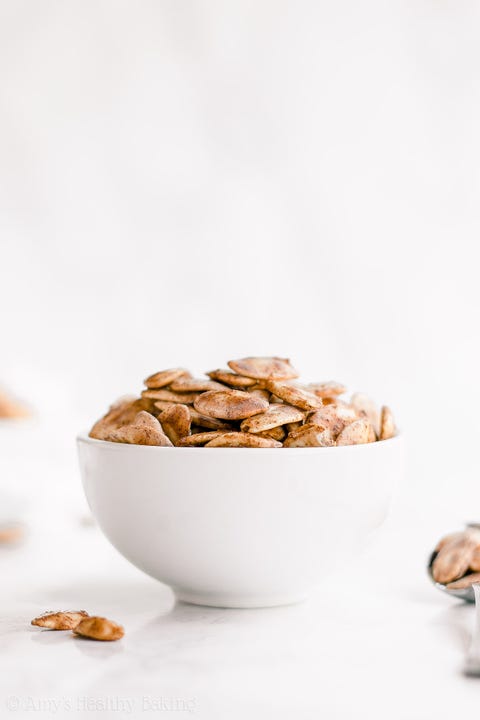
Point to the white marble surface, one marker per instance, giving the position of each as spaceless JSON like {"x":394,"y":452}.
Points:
{"x":375,"y":641}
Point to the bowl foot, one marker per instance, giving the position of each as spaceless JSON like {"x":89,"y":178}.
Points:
{"x":237,"y":601}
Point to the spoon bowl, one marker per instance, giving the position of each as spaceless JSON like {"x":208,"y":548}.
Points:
{"x":471,"y":595}
{"x":466,"y":594}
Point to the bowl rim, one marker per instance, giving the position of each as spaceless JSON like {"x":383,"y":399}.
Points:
{"x":121,"y":447}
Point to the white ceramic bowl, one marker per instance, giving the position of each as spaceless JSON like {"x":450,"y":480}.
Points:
{"x":237,"y":527}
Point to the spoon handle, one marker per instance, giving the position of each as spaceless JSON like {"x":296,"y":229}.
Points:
{"x":472,"y":665}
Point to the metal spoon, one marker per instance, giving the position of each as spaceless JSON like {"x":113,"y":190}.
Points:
{"x":472,"y":662}
{"x":466,"y":594}
{"x":472,"y":595}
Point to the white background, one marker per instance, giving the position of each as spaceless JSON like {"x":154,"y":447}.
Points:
{"x":187,"y":182}
{"x":182,"y":183}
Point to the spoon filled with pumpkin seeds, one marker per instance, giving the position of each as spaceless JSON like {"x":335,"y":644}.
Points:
{"x":454,"y":565}
{"x":454,"y":568}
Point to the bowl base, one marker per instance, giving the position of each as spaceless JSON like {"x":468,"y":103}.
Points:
{"x":237,"y":601}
